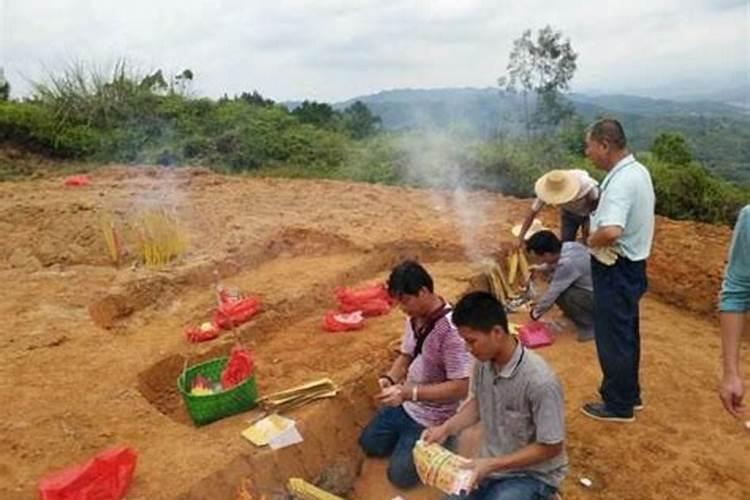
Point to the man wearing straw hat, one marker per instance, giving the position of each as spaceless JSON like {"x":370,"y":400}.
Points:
{"x":574,"y":191}
{"x":623,"y":231}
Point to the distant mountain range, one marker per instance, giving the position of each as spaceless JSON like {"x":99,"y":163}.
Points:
{"x":718,"y":132}
{"x":453,"y":100}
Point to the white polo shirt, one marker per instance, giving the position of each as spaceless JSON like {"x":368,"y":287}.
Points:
{"x":627,"y":200}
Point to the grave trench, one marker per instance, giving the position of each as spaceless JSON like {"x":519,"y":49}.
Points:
{"x":330,"y":454}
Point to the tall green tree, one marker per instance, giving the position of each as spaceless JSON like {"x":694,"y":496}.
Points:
{"x":315,"y":113}
{"x":154,"y":83}
{"x":671,"y":147}
{"x":543,"y":65}
{"x":255,"y":99}
{"x":4,"y":86}
{"x":359,"y":121}
{"x":181,"y":82}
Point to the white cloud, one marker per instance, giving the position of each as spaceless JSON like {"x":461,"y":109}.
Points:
{"x":331,"y":49}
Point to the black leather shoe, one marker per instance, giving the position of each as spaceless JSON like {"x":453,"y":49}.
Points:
{"x":599,"y":411}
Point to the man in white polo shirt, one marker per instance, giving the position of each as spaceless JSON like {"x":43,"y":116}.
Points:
{"x":622,"y":232}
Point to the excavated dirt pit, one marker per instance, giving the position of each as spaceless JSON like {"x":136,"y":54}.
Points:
{"x":291,"y":315}
{"x":289,"y":349}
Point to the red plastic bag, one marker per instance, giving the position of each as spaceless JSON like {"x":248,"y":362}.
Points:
{"x":373,"y":307}
{"x":77,"y":180}
{"x":106,"y":476}
{"x":235,"y":312}
{"x":374,"y":291}
{"x":239,"y":367}
{"x":372,"y":300}
{"x":334,"y":321}
{"x":197,"y":334}
{"x":535,"y":334}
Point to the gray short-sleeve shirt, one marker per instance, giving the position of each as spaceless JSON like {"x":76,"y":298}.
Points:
{"x":521,"y":405}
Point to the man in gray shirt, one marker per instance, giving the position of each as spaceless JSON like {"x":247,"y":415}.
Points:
{"x":519,"y":402}
{"x":571,"y":287}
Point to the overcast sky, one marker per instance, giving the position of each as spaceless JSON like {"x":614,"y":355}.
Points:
{"x":337,"y":49}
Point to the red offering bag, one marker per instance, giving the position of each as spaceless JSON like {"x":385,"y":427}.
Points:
{"x":334,"y":321}
{"x":374,"y":291}
{"x":197,"y":334}
{"x":372,"y":300}
{"x":239,"y":367}
{"x":535,"y":334}
{"x":372,"y":307}
{"x":235,"y":312}
{"x":77,"y":180}
{"x":106,"y":476}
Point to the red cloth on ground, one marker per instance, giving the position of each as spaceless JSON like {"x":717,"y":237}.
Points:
{"x":105,"y":476}
{"x":77,"y":180}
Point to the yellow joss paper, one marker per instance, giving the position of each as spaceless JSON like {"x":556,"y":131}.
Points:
{"x":261,"y":432}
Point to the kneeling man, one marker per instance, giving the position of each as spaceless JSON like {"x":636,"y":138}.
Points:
{"x":519,"y":402}
{"x":427,"y":380}
{"x":571,"y":287}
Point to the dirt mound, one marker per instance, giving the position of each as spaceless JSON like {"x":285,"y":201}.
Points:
{"x":687,"y":264}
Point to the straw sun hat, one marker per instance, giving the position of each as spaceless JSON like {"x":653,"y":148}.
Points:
{"x":557,"y":187}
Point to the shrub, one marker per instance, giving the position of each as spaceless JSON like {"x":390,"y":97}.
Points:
{"x":671,"y":147}
{"x":119,"y":116}
{"x":692,"y":192}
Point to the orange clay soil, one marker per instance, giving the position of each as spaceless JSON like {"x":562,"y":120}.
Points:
{"x":90,"y":353}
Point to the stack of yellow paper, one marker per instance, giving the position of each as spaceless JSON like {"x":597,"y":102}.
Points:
{"x":262,"y":432}
{"x":299,"y":396}
{"x":302,"y":490}
{"x":441,"y":468}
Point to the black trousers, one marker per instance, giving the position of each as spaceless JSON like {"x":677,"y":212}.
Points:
{"x":569,"y":224}
{"x":617,"y":292}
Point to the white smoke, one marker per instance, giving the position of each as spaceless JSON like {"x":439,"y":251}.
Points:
{"x":434,"y":162}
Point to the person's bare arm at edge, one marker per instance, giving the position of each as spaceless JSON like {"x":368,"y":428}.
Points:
{"x":467,"y":416}
{"x":605,"y":236}
{"x":450,"y":390}
{"x":731,"y":387}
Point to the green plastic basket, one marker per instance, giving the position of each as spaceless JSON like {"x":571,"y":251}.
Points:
{"x":212,"y":407}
